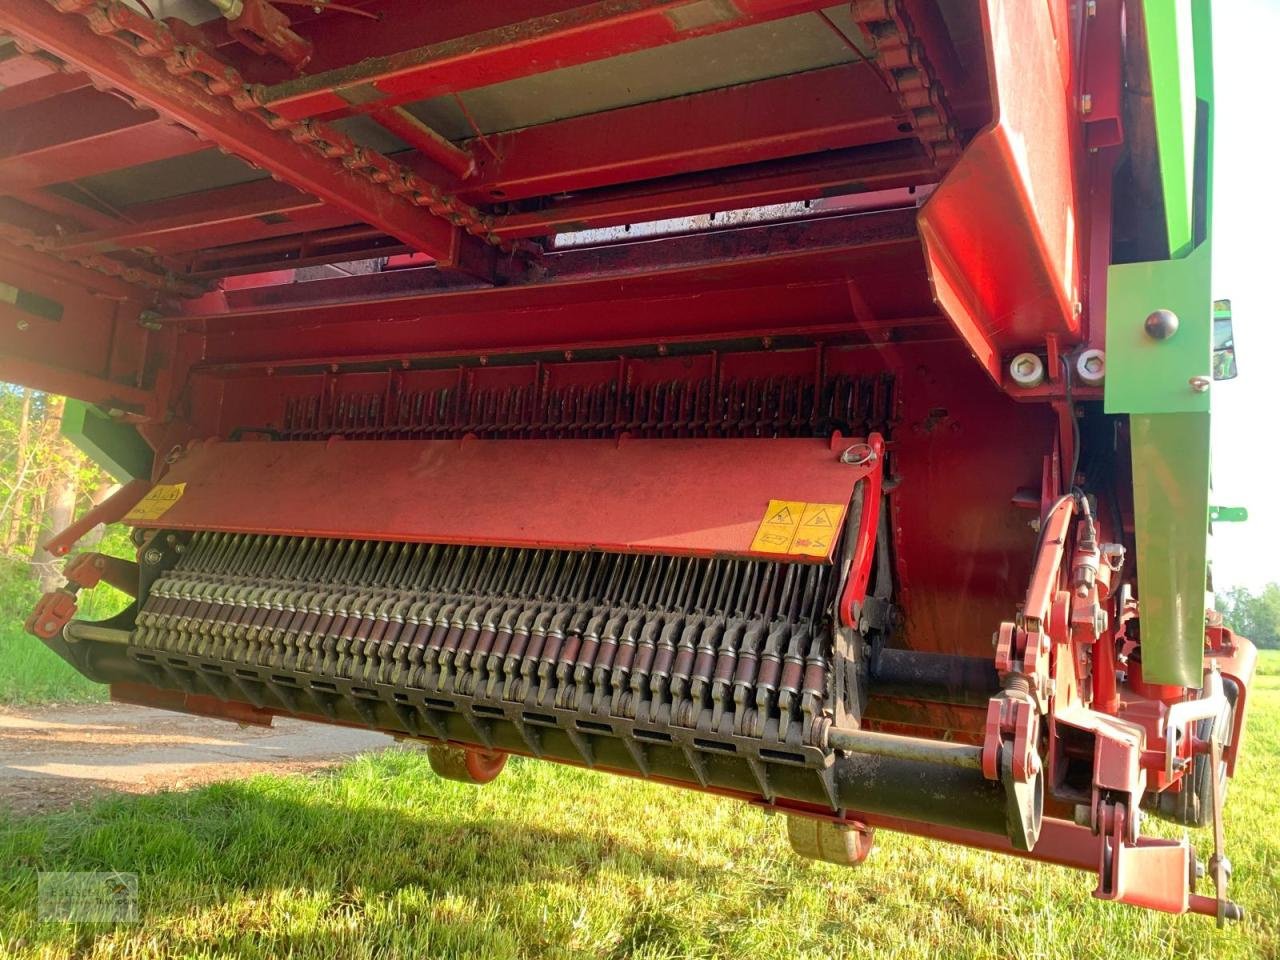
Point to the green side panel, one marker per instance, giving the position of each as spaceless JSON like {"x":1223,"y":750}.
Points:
{"x":1171,"y":503}
{"x":117,"y":447}
{"x":1149,"y":379}
{"x":1145,"y":375}
{"x":1176,"y":29}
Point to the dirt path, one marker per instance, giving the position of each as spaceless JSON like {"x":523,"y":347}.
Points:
{"x":53,"y":757}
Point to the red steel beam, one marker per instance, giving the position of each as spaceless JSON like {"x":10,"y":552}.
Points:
{"x":575,"y":35}
{"x":147,"y":80}
{"x":839,"y":173}
{"x":80,"y":134}
{"x":205,"y":220}
{"x":426,"y":141}
{"x":60,"y":207}
{"x":235,"y":214}
{"x":827,"y":109}
{"x":49,"y":84}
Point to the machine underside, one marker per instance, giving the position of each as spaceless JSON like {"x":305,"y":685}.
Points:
{"x":710,"y":392}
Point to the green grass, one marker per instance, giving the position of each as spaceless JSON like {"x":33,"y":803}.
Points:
{"x":381,"y":859}
{"x":29,"y":671}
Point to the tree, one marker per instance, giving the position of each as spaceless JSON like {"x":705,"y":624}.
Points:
{"x":1253,"y":615}
{"x":44,"y":482}
{"x":62,"y":486}
{"x":21,"y":467}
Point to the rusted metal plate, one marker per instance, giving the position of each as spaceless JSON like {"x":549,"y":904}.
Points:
{"x":695,"y":497}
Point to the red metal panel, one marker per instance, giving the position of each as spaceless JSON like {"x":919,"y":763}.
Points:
{"x":582,"y":33}
{"x":758,"y":281}
{"x":687,"y":497}
{"x":70,"y":37}
{"x":1001,"y":233}
{"x":962,"y":549}
{"x":829,"y":109}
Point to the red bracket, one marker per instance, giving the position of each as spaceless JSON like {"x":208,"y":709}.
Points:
{"x":53,"y":610}
{"x":110,"y":510}
{"x":870,"y":453}
{"x":266,"y":31}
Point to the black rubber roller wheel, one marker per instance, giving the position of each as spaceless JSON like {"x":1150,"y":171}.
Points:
{"x":1192,"y":806}
{"x":465,"y":765}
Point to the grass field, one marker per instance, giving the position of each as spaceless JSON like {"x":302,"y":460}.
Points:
{"x":381,"y":859}
{"x":29,"y":671}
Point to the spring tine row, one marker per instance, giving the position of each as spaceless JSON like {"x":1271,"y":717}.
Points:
{"x":715,"y":643}
{"x":761,"y":407}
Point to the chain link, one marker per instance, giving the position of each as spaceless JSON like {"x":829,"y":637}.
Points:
{"x":159,"y":282}
{"x":907,"y":68}
{"x":154,"y":40}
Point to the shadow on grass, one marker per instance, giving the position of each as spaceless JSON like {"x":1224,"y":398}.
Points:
{"x":351,"y":845}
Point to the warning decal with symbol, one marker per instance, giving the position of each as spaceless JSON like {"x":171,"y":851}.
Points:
{"x":157,"y":502}
{"x":798,"y":528}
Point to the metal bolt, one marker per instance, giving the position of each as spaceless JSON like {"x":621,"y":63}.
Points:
{"x":1161,"y":324}
{"x":1092,"y":367}
{"x":1091,"y":8}
{"x":1086,"y":104}
{"x":1200,"y":384}
{"x":152,"y":556}
{"x":24,"y":325}
{"x":1027,"y":370}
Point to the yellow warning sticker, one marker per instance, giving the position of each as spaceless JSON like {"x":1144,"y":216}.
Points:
{"x":156,"y":503}
{"x":797,"y":528}
{"x":778,"y":526}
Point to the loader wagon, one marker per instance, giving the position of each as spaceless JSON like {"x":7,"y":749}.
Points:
{"x":806,"y":403}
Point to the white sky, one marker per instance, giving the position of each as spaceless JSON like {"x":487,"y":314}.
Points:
{"x":1246,"y":268}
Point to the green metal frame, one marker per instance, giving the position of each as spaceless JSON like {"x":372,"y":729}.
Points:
{"x":1152,"y":380}
{"x":115,"y":446}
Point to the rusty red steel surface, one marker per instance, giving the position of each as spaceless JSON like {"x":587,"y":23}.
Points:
{"x":568,"y":34}
{"x":786,"y":116}
{"x":647,"y":496}
{"x":83,"y":133}
{"x":225,"y":111}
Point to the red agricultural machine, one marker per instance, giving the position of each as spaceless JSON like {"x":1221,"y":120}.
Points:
{"x":806,"y":403}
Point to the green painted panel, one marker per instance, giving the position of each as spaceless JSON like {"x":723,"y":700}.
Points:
{"x":1145,"y":375}
{"x":115,"y":446}
{"x":1171,"y":503}
{"x":1170,"y":27}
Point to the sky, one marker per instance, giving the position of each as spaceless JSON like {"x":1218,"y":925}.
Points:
{"x":1246,"y":269}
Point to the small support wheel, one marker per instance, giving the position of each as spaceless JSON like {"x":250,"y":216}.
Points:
{"x":1192,"y":805}
{"x":844,"y":844}
{"x":464,"y":764}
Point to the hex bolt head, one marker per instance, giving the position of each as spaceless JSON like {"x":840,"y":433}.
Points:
{"x":1200,"y":384}
{"x":152,"y":556}
{"x":1091,"y":367}
{"x":1161,"y":324}
{"x":1027,"y":370}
